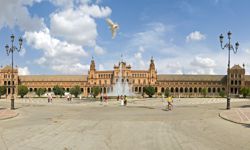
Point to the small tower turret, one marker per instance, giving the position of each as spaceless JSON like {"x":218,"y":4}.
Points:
{"x":152,"y":72}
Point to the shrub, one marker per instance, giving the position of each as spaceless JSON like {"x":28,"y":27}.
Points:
{"x":245,"y":91}
{"x":40,"y":91}
{"x":76,"y":90}
{"x":58,"y":90}
{"x":167,"y":93}
{"x":222,"y":93}
{"x":22,"y":90}
{"x":204,"y":92}
{"x":95,"y":91}
{"x":150,"y":91}
{"x":2,"y":90}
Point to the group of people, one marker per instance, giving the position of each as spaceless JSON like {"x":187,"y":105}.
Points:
{"x":123,"y":99}
{"x":104,"y":98}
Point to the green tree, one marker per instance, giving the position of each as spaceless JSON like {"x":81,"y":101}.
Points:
{"x":222,"y":93}
{"x":245,"y":91}
{"x":40,"y":91}
{"x":2,"y":90}
{"x":150,"y":91}
{"x":58,"y":90}
{"x":204,"y":92}
{"x":167,"y":93}
{"x":95,"y":91}
{"x":76,"y":90}
{"x":22,"y":90}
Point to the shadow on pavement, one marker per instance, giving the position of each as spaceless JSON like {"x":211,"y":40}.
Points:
{"x":245,"y":106}
{"x":246,"y":125}
{"x":147,"y":107}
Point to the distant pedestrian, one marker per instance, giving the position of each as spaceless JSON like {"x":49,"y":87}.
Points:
{"x":51,"y":98}
{"x":170,"y":101}
{"x":101,"y":98}
{"x":118,"y":98}
{"x":122,"y":101}
{"x":125,"y":100}
{"x":48,"y":98}
{"x":106,"y":98}
{"x":68,"y":97}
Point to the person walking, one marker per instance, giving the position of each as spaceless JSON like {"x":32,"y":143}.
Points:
{"x":48,"y":98}
{"x":122,"y":101}
{"x":106,"y":99}
{"x":170,"y":101}
{"x":125,"y":100}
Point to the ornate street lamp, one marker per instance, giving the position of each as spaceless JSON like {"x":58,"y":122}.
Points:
{"x":234,"y":49}
{"x":10,"y":50}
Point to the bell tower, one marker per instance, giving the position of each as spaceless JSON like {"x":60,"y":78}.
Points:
{"x":92,"y":71}
{"x":152,"y":72}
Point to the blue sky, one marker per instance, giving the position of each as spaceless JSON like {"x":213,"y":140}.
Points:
{"x":61,"y":36}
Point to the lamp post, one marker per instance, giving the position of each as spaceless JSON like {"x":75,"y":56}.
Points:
{"x":234,"y":49}
{"x":10,"y":50}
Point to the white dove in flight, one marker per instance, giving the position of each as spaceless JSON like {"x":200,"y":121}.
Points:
{"x":113,"y":27}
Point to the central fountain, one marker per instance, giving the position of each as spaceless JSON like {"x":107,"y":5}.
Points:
{"x":121,"y":86}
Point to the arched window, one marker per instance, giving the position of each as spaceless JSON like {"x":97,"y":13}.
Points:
{"x":190,"y":90}
{"x":181,"y":90}
{"x":195,"y":90}
{"x":176,"y":90}
{"x":186,"y":90}
{"x":218,"y":90}
{"x":214,"y":90}
{"x":209,"y":90}
{"x":139,"y":89}
{"x":172,"y":90}
{"x":162,"y":89}
{"x":136,"y":89}
{"x":200,"y":89}
{"x":156,"y":89}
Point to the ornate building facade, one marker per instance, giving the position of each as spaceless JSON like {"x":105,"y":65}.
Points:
{"x":178,"y":85}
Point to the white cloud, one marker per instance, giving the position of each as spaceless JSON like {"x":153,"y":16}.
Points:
{"x":99,"y":50}
{"x":195,"y":36}
{"x":15,"y":13}
{"x":23,"y":71}
{"x":138,"y":61}
{"x":59,"y":55}
{"x":101,"y":67}
{"x":203,"y":62}
{"x":247,"y":50}
{"x":78,"y":25}
{"x":141,"y":49}
{"x":75,"y":68}
{"x":22,"y":52}
{"x":138,"y":55}
{"x":95,"y":11}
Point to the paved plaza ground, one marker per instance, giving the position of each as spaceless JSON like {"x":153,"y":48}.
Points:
{"x":194,"y":124}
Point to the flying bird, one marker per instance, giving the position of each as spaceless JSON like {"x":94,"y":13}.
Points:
{"x":113,"y":27}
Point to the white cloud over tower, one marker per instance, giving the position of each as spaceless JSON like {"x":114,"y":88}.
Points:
{"x":72,"y":28}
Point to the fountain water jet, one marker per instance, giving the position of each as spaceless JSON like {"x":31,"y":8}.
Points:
{"x":122,"y":86}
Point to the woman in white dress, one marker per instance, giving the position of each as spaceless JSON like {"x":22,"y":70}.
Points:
{"x":122,"y":101}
